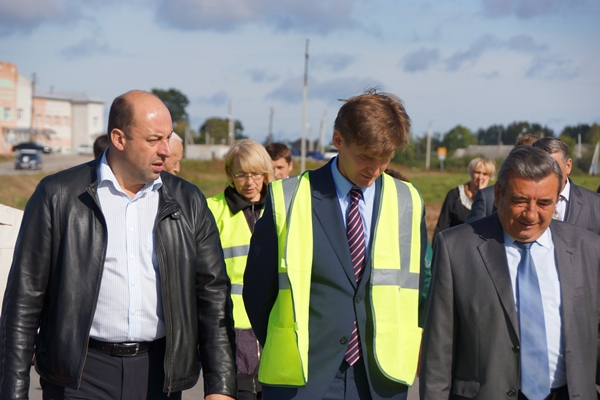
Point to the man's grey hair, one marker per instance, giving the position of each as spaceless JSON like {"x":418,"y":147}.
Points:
{"x":552,"y":145}
{"x":529,"y":162}
{"x":175,"y":136}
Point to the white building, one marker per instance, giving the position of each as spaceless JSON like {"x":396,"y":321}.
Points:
{"x":61,"y":121}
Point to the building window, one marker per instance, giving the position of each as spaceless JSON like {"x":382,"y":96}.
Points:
{"x":57,"y":121}
{"x":38,"y":119}
{"x":47,"y":120}
{"x":95,"y":121}
{"x":8,"y":114}
{"x":65,"y":121}
{"x":20,"y":114}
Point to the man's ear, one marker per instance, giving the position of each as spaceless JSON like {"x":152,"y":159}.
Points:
{"x":117,"y":138}
{"x":337,"y":139}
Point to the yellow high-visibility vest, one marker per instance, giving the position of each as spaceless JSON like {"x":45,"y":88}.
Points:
{"x":394,"y":282}
{"x":235,"y":238}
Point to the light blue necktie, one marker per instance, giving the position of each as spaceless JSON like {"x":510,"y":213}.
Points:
{"x":535,"y":371}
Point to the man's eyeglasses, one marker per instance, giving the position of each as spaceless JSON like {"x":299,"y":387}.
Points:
{"x":244,"y":177}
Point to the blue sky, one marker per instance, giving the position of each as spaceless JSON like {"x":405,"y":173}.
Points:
{"x":469,"y":62}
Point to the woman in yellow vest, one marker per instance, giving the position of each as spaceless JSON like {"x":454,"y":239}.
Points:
{"x":249,"y":170}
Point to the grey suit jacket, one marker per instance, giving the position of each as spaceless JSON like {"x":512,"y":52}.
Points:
{"x":471,"y":336}
{"x":584,"y":208}
{"x":335,"y":297}
{"x":483,"y":204}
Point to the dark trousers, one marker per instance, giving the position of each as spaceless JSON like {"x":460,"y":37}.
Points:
{"x":350,"y":383}
{"x":112,"y":378}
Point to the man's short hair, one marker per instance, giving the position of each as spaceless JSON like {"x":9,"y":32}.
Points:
{"x":374,"y":121}
{"x":100,"y":144}
{"x":278,"y":150}
{"x":120,"y":115}
{"x":526,"y":140}
{"x":552,"y":145}
{"x":531,"y":163}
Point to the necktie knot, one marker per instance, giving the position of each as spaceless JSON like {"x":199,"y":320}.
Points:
{"x":523,"y":245}
{"x":355,"y":194}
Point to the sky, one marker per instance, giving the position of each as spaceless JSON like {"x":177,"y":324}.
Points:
{"x":470,"y":62}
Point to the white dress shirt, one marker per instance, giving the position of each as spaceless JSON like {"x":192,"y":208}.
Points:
{"x":563,"y":202}
{"x":10,"y":222}
{"x":129,"y":307}
{"x":542,"y":252}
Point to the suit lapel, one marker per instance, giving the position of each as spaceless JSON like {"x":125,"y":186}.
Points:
{"x":493,"y":254}
{"x":568,"y":276}
{"x":575,"y":204}
{"x":327,"y":211}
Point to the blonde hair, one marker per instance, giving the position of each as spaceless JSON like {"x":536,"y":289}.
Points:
{"x":252,"y":157}
{"x":488,"y":165}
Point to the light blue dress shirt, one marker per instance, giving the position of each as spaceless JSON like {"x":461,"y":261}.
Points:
{"x":129,"y":307}
{"x":365,"y":205}
{"x":542,"y":252}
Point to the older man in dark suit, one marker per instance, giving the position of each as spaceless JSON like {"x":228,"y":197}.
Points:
{"x":513,"y":305}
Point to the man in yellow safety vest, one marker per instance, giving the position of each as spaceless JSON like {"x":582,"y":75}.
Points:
{"x":336,"y":271}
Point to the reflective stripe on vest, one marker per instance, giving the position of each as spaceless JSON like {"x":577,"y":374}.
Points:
{"x":235,"y":238}
{"x":394,"y":282}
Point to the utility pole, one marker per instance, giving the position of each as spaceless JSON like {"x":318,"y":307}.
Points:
{"x":322,"y":134}
{"x":304,"y":94}
{"x":428,"y":152}
{"x":270,"y":134}
{"x":230,"y":118}
{"x":311,"y":142}
{"x":33,"y":82}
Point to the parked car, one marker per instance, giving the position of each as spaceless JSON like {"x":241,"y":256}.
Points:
{"x":85,"y":149}
{"x":28,"y":158}
{"x":32,"y":146}
{"x":330,"y":152}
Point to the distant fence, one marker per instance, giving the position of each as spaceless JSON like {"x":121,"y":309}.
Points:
{"x":205,"y":152}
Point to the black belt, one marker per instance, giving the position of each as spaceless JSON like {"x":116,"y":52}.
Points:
{"x":124,"y":349}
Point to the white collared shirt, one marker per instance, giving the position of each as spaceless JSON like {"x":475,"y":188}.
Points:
{"x":10,"y":222}
{"x":129,"y":307}
{"x":563,"y":201}
{"x":542,"y":252}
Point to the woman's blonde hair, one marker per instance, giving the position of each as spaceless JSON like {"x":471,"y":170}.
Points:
{"x":252,"y":157}
{"x":488,"y":165}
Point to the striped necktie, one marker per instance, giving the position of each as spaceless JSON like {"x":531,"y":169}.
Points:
{"x":535,"y":370}
{"x":356,"y":242}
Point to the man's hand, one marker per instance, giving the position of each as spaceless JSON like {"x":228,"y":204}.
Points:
{"x":218,"y":397}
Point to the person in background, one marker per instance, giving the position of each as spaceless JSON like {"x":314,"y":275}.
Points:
{"x":458,"y":201}
{"x":172,"y":163}
{"x":483,"y":204}
{"x":100,"y":144}
{"x":281,"y":158}
{"x":236,"y":210}
{"x":576,"y":205}
{"x":120,"y":267}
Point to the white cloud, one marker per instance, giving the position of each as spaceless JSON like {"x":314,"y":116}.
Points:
{"x":420,"y":60}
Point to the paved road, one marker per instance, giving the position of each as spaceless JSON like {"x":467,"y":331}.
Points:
{"x":50,"y":163}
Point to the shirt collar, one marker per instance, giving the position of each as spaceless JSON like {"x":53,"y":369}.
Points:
{"x":566,"y":190}
{"x":545,"y":240}
{"x":105,"y":175}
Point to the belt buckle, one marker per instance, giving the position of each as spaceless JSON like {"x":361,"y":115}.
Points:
{"x":121,"y":348}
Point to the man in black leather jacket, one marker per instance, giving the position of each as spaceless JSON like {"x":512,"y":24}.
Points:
{"x":61,"y":258}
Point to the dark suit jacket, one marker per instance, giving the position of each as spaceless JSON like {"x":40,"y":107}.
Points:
{"x":483,"y":204}
{"x":584,"y":208}
{"x":335,"y":299}
{"x":471,"y":336}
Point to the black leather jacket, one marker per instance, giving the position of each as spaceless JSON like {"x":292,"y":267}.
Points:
{"x":55,"y":280}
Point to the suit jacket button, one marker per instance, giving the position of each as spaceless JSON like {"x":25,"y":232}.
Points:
{"x":358,"y":299}
{"x":511,"y":393}
{"x":516,"y":349}
{"x":344,"y":340}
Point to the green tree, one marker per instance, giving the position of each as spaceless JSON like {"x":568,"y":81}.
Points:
{"x":175,"y":101}
{"x":458,"y":137}
{"x":593,"y":135}
{"x":574,"y":131}
{"x":490,"y":135}
{"x":516,"y":129}
{"x":218,"y":130}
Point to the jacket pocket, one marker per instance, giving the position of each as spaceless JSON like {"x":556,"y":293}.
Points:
{"x":468,"y":389}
